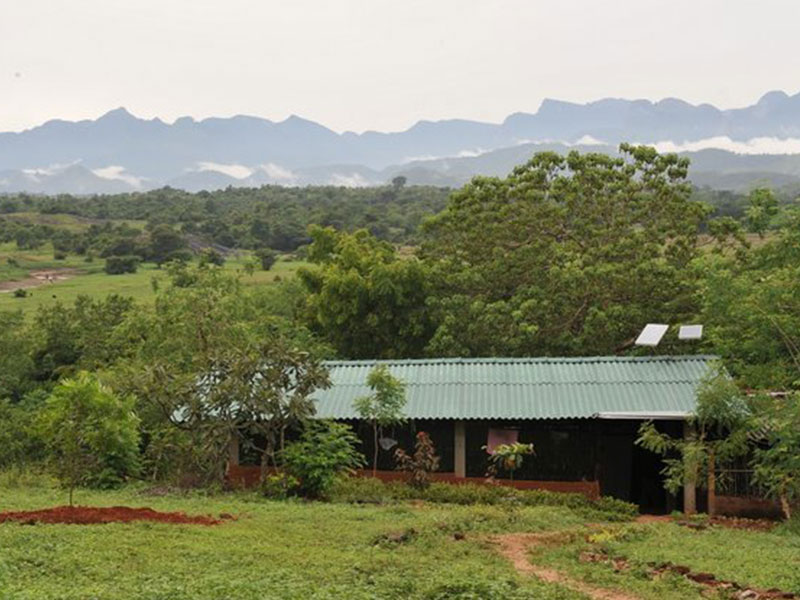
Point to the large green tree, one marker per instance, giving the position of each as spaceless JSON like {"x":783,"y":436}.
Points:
{"x":363,"y":298}
{"x":567,"y":255}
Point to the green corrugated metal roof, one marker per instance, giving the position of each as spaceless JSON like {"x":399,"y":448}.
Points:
{"x":524,"y":388}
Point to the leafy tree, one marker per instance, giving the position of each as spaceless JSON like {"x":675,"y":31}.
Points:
{"x":763,"y":206}
{"x":119,"y":265}
{"x":568,"y":255}
{"x":212,"y":257}
{"x":20,"y":443}
{"x":91,"y":433}
{"x":421,"y":464}
{"x":384,"y":407}
{"x":276,"y":395}
{"x":777,"y":462}
{"x":325,"y":451}
{"x":721,"y":424}
{"x":751,"y":310}
{"x":164,"y":240}
{"x":210,"y":362}
{"x":16,"y":363}
{"x":267,"y":258}
{"x":363,"y":298}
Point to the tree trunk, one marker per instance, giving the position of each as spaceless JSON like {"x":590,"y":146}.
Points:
{"x":712,"y":484}
{"x":375,"y":452}
{"x":786,"y":507}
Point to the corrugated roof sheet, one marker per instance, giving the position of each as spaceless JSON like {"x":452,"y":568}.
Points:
{"x":523,"y":388}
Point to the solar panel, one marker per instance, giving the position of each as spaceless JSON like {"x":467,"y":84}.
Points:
{"x":690,"y":332}
{"x":651,"y":334}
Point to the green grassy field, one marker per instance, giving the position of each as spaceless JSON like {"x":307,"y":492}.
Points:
{"x":762,"y":560}
{"x":295,"y":549}
{"x":289,"y":549}
{"x":90,"y":279}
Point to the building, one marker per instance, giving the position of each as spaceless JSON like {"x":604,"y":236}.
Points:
{"x":581,"y":414}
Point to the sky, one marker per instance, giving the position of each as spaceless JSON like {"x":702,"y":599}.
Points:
{"x":383,"y":65}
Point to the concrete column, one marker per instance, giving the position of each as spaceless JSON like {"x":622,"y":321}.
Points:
{"x":460,"y":450}
{"x":690,"y":486}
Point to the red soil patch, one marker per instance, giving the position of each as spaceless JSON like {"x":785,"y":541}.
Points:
{"x":88,"y":515}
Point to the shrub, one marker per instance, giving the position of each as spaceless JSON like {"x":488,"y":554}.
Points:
{"x":325,"y":451}
{"x":423,"y":462}
{"x":267,"y":258}
{"x":117,"y":265}
{"x":182,"y":256}
{"x":212,"y":257}
{"x":358,"y":490}
{"x":92,"y":434}
{"x":278,"y":486}
{"x":20,"y":293}
{"x":59,"y":255}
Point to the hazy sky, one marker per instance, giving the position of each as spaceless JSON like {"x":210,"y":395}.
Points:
{"x":380,"y":64}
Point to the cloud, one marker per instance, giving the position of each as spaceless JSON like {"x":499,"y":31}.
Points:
{"x":37,"y":172}
{"x":116,"y":172}
{"x":235,"y":171}
{"x":588,"y":140}
{"x":758,"y":145}
{"x":278,"y":173}
{"x":351,"y":180}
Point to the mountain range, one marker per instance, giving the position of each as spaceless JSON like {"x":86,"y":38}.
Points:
{"x":119,"y":152}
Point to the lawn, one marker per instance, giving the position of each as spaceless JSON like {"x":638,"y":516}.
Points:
{"x":756,"y":559}
{"x":91,"y":280}
{"x":295,"y":549}
{"x":289,"y":549}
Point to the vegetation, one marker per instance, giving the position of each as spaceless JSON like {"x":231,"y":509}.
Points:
{"x":421,"y":463}
{"x":92,"y":434}
{"x":720,"y":427}
{"x":325,"y":452}
{"x":383,"y":408}
{"x":508,"y":458}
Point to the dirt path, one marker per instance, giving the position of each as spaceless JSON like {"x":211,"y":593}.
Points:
{"x":516,"y":548}
{"x":37,"y":278}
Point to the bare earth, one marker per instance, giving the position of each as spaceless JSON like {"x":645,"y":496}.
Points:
{"x":37,"y":278}
{"x":516,"y":548}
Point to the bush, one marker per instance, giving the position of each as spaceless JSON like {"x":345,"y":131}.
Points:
{"x":92,"y":435}
{"x":20,"y":293}
{"x":59,"y":255}
{"x":117,"y":265}
{"x":371,"y":490}
{"x":423,"y":462}
{"x":267,"y":257}
{"x":325,"y":451}
{"x":212,"y":257}
{"x":278,"y":486}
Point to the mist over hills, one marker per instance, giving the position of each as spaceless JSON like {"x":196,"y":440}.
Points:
{"x":120,"y":152}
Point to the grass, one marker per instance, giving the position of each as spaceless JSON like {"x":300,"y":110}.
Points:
{"x":289,"y":549}
{"x":295,"y":549}
{"x":91,"y":280}
{"x":750,"y":558}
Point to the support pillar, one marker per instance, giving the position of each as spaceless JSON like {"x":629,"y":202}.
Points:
{"x":690,"y":485}
{"x":460,"y":450}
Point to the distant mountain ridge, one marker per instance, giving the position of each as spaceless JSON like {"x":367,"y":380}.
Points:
{"x":119,"y":152}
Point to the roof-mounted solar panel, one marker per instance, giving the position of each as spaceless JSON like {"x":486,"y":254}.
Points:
{"x":651,"y":334}
{"x":690,"y":332}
